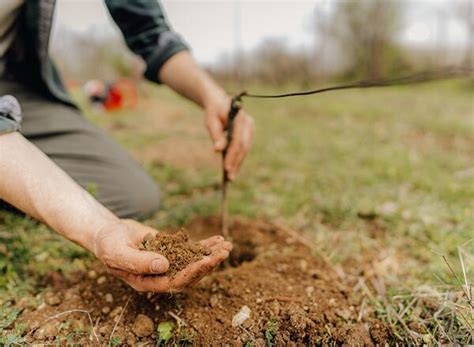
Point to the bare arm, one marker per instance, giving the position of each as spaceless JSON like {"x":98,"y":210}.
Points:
{"x":30,"y":181}
{"x":182,"y":74}
{"x":33,"y":183}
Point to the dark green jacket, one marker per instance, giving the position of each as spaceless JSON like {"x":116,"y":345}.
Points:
{"x":142,"y":23}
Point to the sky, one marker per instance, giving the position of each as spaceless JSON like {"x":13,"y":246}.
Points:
{"x":219,"y":27}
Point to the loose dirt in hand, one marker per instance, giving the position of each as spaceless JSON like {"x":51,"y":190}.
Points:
{"x":176,"y":248}
{"x":294,"y":299}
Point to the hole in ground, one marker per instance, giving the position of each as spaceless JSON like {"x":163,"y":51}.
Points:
{"x":243,"y":251}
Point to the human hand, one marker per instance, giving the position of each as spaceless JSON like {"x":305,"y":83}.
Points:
{"x":217,"y":111}
{"x":116,"y":245}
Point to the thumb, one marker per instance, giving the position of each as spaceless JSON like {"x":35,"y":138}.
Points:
{"x":216,"y":130}
{"x":139,"y":262}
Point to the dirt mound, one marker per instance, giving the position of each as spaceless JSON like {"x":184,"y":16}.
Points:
{"x":292,"y":296}
{"x":176,"y":248}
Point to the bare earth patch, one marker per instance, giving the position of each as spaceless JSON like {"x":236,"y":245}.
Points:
{"x":293,"y":297}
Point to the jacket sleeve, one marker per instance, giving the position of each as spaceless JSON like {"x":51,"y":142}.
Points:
{"x":146,"y":32}
{"x":10,"y":114}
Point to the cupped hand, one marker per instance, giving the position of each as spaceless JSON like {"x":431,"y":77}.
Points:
{"x":217,"y":112}
{"x":116,"y":245}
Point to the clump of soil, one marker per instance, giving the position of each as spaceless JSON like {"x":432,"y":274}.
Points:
{"x":176,"y":248}
{"x":293,"y":297}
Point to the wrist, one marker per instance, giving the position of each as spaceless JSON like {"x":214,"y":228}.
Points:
{"x":213,"y":94}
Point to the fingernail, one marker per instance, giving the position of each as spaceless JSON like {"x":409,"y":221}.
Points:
{"x":158,"y":266}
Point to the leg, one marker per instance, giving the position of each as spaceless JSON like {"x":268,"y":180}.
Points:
{"x":88,"y":155}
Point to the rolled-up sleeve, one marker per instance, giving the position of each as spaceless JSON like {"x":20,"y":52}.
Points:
{"x":10,"y":114}
{"x":146,"y":31}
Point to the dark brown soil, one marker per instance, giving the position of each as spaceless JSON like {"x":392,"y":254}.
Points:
{"x":293,"y":297}
{"x":176,"y":248}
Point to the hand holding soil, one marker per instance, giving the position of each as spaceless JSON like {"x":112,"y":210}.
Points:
{"x":118,"y":247}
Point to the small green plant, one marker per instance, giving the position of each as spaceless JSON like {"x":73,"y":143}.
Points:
{"x":165,"y":332}
{"x":270,"y":332}
{"x":115,"y":341}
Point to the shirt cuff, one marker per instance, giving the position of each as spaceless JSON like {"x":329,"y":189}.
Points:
{"x":169,"y":43}
{"x":10,"y":114}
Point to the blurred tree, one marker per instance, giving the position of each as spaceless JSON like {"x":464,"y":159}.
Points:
{"x":464,"y":11}
{"x":274,"y":62}
{"x":366,"y":34}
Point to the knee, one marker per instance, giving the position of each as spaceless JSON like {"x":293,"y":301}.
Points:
{"x":136,"y":199}
{"x":143,"y":201}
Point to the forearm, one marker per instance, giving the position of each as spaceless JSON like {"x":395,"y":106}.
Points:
{"x":31,"y":182}
{"x":183,"y":75}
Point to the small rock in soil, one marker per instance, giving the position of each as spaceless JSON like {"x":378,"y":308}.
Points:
{"x":143,"y":326}
{"x":52,"y":299}
{"x":109,"y":298}
{"x":101,"y":280}
{"x":49,"y":330}
{"x":116,"y":311}
{"x":214,"y":300}
{"x":106,"y":310}
{"x":92,"y":274}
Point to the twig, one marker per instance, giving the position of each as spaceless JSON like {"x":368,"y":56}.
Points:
{"x":67,"y":312}
{"x":181,"y":321}
{"x":362,"y":307}
{"x":468,"y":294}
{"x":177,"y":318}
{"x":118,"y":320}
{"x":250,"y":335}
{"x":458,"y":280}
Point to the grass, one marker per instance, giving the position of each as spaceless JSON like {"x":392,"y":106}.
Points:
{"x":382,"y":180}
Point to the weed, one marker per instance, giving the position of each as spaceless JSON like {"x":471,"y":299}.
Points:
{"x":115,"y":341}
{"x":270,"y":332}
{"x":165,"y":332}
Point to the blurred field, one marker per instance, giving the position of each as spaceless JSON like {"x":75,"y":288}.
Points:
{"x":381,"y":180}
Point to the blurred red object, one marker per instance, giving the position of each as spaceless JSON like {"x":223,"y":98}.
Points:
{"x":114,"y":99}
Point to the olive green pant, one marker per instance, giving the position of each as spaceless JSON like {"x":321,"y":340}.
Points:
{"x":85,"y":152}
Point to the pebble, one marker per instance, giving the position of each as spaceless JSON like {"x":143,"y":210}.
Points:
{"x":214,"y":300}
{"x":332,"y":302}
{"x":303,"y":265}
{"x":309,"y":291}
{"x":109,"y":298}
{"x":92,"y":274}
{"x":276,"y":308}
{"x":116,"y":311}
{"x":52,"y":299}
{"x":47,"y":331}
{"x":104,"y":330}
{"x":131,"y":340}
{"x":101,"y":280}
{"x":106,"y":310}
{"x":259,"y":300}
{"x":143,"y":326}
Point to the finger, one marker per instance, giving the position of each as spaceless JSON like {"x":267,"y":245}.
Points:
{"x":216,"y":130}
{"x":139,"y":230}
{"x":137,"y":262}
{"x":240,"y":145}
{"x":224,"y":245}
{"x":156,"y":284}
{"x":214,"y":240}
{"x":194,"y":272}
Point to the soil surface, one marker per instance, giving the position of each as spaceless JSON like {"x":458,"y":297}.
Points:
{"x":176,"y":248}
{"x":293,"y":297}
